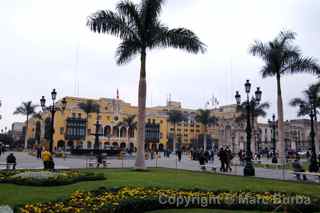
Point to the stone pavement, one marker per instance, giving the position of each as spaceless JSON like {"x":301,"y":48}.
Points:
{"x":26,"y":161}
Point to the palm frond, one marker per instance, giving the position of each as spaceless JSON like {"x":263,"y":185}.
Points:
{"x":131,"y":11}
{"x":127,"y":50}
{"x":105,"y":21}
{"x":179,"y":38}
{"x":286,"y":36}
{"x":149,"y":13}
{"x":304,"y":64}
{"x":260,"y":49}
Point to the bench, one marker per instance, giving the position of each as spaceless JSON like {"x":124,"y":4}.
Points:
{"x":94,"y":163}
{"x":297,"y":174}
{"x":8,"y":165}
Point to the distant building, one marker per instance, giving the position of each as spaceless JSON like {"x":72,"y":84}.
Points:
{"x":17,"y":131}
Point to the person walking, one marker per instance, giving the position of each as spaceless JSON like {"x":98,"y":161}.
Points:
{"x":11,"y":161}
{"x":179,"y":154}
{"x":297,"y":167}
{"x":228,"y":157}
{"x":222,"y":157}
{"x":202,"y":161}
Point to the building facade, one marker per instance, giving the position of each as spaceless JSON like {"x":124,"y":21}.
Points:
{"x":75,"y":129}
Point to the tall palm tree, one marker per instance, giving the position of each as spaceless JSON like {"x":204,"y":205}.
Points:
{"x":175,"y":117}
{"x":205,"y":118}
{"x":130,"y":123}
{"x":280,"y":58}
{"x":139,"y":28}
{"x":27,"y":109}
{"x":88,"y":107}
{"x":305,"y":106}
{"x":257,"y":109}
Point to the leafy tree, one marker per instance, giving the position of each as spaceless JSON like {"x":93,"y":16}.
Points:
{"x":281,"y":57}
{"x":139,"y":28}
{"x":205,"y":118}
{"x":27,"y":109}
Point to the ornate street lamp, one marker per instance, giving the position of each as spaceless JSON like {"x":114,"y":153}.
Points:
{"x":52,"y":109}
{"x":313,"y":167}
{"x":272,"y":125}
{"x":249,"y":169}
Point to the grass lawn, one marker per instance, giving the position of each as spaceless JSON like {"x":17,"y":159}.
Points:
{"x":14,"y":194}
{"x":200,"y":211}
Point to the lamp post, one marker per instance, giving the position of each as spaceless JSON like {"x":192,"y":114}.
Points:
{"x":272,"y":125}
{"x":52,"y":109}
{"x":313,"y":167}
{"x":97,"y":134}
{"x":249,"y":169}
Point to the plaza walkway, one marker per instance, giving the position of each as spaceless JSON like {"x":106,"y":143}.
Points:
{"x":26,"y":161}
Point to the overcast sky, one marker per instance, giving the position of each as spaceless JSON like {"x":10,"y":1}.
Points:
{"x":46,"y":44}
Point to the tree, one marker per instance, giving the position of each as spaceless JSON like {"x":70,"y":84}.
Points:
{"x":27,"y":109}
{"x":205,"y":118}
{"x":130,"y":123}
{"x":139,"y":28}
{"x":175,"y":117}
{"x":88,"y":107}
{"x":280,"y":58}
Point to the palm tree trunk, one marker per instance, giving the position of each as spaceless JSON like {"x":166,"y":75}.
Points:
{"x":205,"y":139}
{"x":316,"y":130}
{"x":140,"y":159}
{"x":174,"y":138}
{"x":281,"y":142}
{"x":26,"y":134}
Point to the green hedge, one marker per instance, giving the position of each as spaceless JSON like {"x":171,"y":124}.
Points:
{"x":64,"y":179}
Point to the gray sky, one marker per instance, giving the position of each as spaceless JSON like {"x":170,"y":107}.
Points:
{"x":40,"y":39}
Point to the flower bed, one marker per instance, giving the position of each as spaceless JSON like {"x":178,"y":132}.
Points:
{"x":139,"y":199}
{"x":46,"y":178}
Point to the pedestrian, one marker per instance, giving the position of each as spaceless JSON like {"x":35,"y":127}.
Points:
{"x":202,"y":161}
{"x":47,"y":159}
{"x":222,"y":157}
{"x":229,"y":157}
{"x":99,"y":159}
{"x":11,"y":161}
{"x":297,"y":167}
{"x":179,"y":154}
{"x":39,"y":150}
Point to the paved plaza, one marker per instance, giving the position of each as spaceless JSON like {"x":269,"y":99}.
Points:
{"x":26,"y":161}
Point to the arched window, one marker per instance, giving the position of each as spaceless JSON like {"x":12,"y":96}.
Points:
{"x":107,"y":131}
{"x":89,"y":145}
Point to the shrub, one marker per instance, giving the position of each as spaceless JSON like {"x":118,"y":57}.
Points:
{"x":46,"y":178}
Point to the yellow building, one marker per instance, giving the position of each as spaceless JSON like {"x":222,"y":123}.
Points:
{"x":73,"y":131}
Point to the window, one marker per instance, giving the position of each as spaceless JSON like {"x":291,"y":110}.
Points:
{"x":89,"y":131}
{"x":154,"y":121}
{"x":79,"y":115}
{"x":61,"y":130}
{"x":197,"y":130}
{"x":161,"y":121}
{"x":197,"y":125}
{"x":89,"y":116}
{"x":172,"y":129}
{"x":179,"y":130}
{"x":73,"y":115}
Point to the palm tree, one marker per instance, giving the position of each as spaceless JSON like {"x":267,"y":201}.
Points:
{"x":88,"y":107}
{"x":280,"y":58}
{"x":175,"y":117}
{"x":139,"y":28}
{"x":257,"y":109}
{"x":308,"y":106}
{"x":27,"y":109}
{"x":130,"y":123}
{"x":205,"y":118}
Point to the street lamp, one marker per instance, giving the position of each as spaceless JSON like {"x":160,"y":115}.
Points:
{"x":272,"y":125}
{"x":249,"y":169}
{"x":52,"y":109}
{"x":313,"y":167}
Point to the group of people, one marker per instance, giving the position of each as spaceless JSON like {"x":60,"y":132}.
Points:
{"x":225,"y":156}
